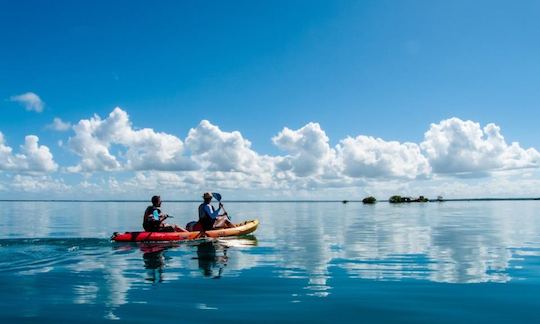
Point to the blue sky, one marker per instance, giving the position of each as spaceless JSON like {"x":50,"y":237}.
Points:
{"x":384,"y":69}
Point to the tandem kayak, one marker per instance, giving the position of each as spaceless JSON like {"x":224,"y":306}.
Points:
{"x":240,"y":229}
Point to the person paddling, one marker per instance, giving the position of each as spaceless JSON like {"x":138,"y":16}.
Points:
{"x":153,"y":220}
{"x":209,"y":217}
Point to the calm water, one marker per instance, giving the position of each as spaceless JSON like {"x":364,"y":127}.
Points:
{"x":318,"y":262}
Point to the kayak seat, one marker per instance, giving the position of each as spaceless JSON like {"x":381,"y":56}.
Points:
{"x":194,"y":226}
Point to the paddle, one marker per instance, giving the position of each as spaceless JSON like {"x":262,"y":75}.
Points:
{"x":156,"y":214}
{"x":217,"y":195}
{"x":164,"y":218}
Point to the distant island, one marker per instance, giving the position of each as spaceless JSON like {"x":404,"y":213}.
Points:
{"x":369,"y":200}
{"x":399,"y":199}
{"x":396,"y":199}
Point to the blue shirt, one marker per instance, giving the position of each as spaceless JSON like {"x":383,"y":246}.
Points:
{"x":208,"y":209}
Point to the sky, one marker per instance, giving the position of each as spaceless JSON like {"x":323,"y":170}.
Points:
{"x":269,"y":99}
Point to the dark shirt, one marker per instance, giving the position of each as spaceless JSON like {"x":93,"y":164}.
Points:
{"x":150,"y":224}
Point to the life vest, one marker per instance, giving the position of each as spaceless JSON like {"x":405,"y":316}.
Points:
{"x":149,"y":223}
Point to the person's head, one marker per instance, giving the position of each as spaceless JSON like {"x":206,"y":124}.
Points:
{"x":207,"y":196}
{"x":156,"y":201}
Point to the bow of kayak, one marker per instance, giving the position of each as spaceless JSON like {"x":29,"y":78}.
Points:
{"x":240,"y":229}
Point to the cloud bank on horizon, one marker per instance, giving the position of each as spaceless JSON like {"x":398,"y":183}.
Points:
{"x":116,"y":158}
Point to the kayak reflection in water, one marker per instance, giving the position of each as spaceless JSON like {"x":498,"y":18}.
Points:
{"x":212,"y":255}
{"x":154,"y":259}
{"x":209,"y":260}
{"x":153,"y":220}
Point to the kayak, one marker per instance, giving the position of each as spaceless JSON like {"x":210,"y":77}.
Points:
{"x":240,"y":229}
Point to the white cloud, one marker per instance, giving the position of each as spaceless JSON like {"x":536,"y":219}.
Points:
{"x":216,"y":150}
{"x":365,"y":156}
{"x":148,"y":150}
{"x":30,"y":101}
{"x":310,"y":155}
{"x":455,"y":146}
{"x":310,"y":167}
{"x":44,"y":184}
{"x":32,"y":157}
{"x":35,"y":157}
{"x":6,"y":158}
{"x":308,"y":148}
{"x":142,"y":149}
{"x":154,"y":180}
{"x":93,"y":148}
{"x":59,"y":125}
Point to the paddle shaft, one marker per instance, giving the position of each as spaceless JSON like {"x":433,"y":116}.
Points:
{"x":224,"y":211}
{"x":164,"y":218}
{"x":217,"y":195}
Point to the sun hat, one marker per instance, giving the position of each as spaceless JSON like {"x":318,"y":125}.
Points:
{"x":207,"y":195}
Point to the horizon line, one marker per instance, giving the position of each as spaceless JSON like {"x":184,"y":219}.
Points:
{"x":267,"y":200}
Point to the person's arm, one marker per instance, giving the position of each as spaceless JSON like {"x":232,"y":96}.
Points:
{"x":213,"y":214}
{"x":163,"y":217}
{"x":221,"y":207}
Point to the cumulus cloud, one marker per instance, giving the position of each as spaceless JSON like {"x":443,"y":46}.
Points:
{"x":310,"y":155}
{"x":92,"y":147}
{"x":452,"y":147}
{"x":32,"y":157}
{"x":216,"y":150}
{"x":35,"y":157}
{"x":365,"y":156}
{"x":30,"y":101}
{"x":455,"y":146}
{"x":6,"y":158}
{"x":210,"y":157}
{"x":142,"y":149}
{"x":59,"y":125}
{"x":308,"y":148}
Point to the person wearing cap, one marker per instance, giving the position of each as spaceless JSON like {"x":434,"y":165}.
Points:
{"x":153,"y":220}
{"x":209,"y":217}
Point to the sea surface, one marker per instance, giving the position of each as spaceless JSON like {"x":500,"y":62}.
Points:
{"x":314,"y":262}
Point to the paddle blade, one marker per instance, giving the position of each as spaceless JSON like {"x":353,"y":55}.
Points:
{"x":216,"y":195}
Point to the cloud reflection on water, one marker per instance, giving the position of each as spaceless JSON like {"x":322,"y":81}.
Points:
{"x":310,"y":243}
{"x":451,"y":243}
